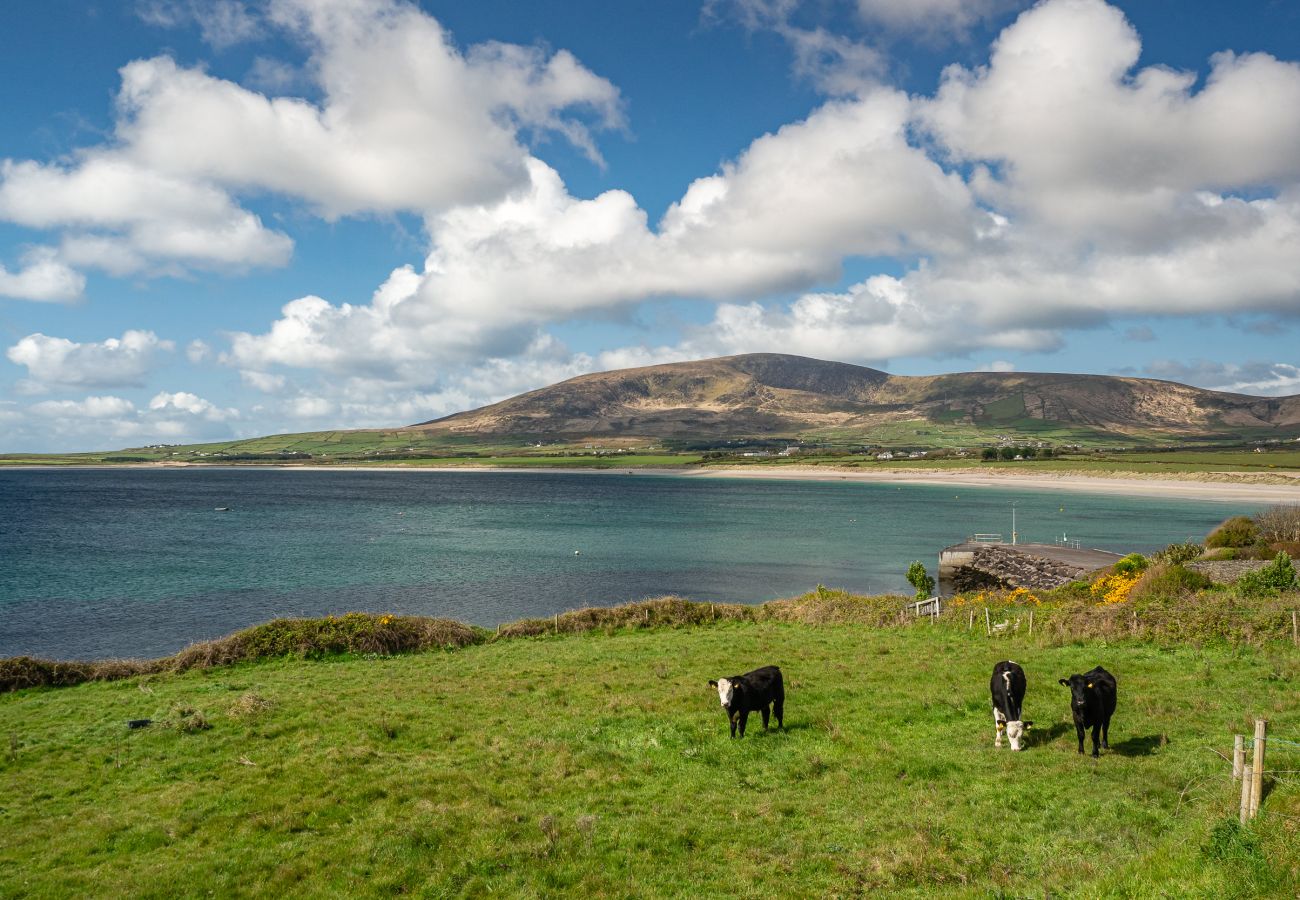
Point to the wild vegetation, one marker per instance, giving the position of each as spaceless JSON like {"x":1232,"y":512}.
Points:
{"x":376,"y":754}
{"x":597,"y":763}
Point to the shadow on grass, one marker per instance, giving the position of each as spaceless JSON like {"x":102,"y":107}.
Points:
{"x":1039,"y":736}
{"x":1139,"y":746}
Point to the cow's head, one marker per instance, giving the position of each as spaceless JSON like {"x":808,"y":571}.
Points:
{"x":1016,"y":733}
{"x":1080,"y":688}
{"x":726,"y":690}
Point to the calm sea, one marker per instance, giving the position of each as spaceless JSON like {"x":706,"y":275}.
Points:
{"x":97,"y":563}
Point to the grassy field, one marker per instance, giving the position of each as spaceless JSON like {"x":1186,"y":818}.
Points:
{"x":599,"y":765}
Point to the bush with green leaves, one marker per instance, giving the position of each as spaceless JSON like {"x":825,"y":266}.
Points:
{"x":921,"y":580}
{"x":1238,"y":531}
{"x":1132,"y":564}
{"x":1177,"y":554}
{"x":1279,"y":575}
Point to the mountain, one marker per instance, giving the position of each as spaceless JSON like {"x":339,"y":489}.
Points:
{"x":776,"y":395}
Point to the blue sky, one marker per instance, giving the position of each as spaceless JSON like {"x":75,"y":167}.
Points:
{"x":223,"y":218}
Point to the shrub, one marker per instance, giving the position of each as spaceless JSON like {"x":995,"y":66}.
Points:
{"x":1279,"y":575}
{"x":1176,"y":554}
{"x":1168,"y":580}
{"x":988,"y":454}
{"x":1291,"y":548}
{"x":1238,"y":531}
{"x":918,"y":578}
{"x":1279,"y":523}
{"x":1133,"y":564}
{"x":1114,"y":588}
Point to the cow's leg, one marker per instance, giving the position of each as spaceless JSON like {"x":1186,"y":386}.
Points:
{"x":778,"y":709}
{"x":1096,"y":742}
{"x":1105,"y":733}
{"x":997,"y":731}
{"x":744,"y":717}
{"x":732,"y":721}
{"x":766,"y":712}
{"x":1078,"y":728}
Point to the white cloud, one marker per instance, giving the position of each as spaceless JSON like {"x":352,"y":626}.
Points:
{"x":931,"y":18}
{"x":104,"y":407}
{"x":42,"y":278}
{"x":54,"y":362}
{"x":844,"y":181}
{"x":110,"y":422}
{"x":265,"y":382}
{"x":1257,"y":378}
{"x":190,"y":404}
{"x":222,"y":23}
{"x":405,"y":122}
{"x":120,"y":216}
{"x":197,"y":351}
{"x":997,"y":365}
{"x":1089,"y":146}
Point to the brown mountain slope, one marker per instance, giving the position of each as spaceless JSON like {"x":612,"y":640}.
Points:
{"x":774,"y":394}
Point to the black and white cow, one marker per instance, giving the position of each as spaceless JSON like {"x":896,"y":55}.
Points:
{"x":1092,"y":702}
{"x":1008,"y":689}
{"x":751,"y":692}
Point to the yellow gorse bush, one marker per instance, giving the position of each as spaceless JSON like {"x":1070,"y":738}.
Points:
{"x":1114,"y":588}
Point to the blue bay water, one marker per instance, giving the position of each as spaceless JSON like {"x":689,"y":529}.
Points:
{"x":97,"y":563}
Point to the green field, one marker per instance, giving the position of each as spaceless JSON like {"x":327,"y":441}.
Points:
{"x":598,"y":764}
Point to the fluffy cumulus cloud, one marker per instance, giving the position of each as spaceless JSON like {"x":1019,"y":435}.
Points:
{"x":1056,"y":187}
{"x":107,"y":421}
{"x":42,"y":277}
{"x":405,"y":121}
{"x":54,"y":362}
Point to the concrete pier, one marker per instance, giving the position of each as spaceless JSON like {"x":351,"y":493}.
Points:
{"x":973,"y":564}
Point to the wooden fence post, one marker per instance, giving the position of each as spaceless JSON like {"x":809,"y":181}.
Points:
{"x":1295,"y":631}
{"x":557,"y":623}
{"x":1238,"y":755}
{"x":1257,"y":776}
{"x":1031,"y":623}
{"x":988,"y":623}
{"x":1246,"y":781}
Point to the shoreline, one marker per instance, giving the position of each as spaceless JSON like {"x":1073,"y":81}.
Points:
{"x":1226,"y":487}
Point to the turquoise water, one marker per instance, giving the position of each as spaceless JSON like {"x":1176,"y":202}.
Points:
{"x":97,"y":563}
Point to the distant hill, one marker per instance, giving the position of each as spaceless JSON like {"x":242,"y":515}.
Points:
{"x":768,"y":394}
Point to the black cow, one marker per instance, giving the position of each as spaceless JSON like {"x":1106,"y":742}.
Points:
{"x":753,"y":691}
{"x":1008,"y":689}
{"x":1092,"y":701}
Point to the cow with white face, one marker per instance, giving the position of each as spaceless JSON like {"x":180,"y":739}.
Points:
{"x":1008,"y":689}
{"x":754,"y":691}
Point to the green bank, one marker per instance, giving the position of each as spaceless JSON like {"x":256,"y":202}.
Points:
{"x":597,"y":763}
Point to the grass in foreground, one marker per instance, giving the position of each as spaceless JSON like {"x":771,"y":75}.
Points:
{"x":598,"y":764}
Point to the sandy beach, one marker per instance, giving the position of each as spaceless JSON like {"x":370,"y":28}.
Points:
{"x":1224,"y":486}
{"x":1228,"y":487}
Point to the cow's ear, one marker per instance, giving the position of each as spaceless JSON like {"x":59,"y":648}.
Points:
{"x":1063,"y":681}
{"x":1027,"y":724}
{"x":712,"y":683}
